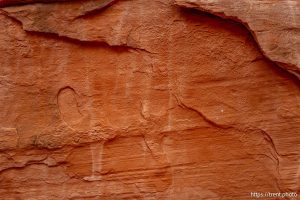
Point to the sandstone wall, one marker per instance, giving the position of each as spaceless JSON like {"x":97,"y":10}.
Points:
{"x":138,"y":99}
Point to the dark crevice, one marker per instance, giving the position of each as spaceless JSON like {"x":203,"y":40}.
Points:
{"x":86,"y":43}
{"x":291,"y":69}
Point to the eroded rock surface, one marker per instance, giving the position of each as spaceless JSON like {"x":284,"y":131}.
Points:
{"x":4,"y":3}
{"x":274,"y":24}
{"x":141,"y":100}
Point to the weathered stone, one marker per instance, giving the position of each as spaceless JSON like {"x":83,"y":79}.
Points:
{"x":141,"y":100}
{"x":275,"y":25}
{"x":4,"y":3}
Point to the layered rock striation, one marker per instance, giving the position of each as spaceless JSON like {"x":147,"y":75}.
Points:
{"x":137,"y":99}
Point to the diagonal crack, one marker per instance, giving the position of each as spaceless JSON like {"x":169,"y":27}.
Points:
{"x":201,"y":114}
{"x":122,"y":48}
{"x":287,"y":65}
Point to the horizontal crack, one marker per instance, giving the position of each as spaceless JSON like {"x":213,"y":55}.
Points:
{"x":98,"y":43}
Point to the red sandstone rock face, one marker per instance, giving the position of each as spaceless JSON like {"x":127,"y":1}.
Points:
{"x":142,"y":100}
{"x":274,"y":24}
{"x":19,"y":2}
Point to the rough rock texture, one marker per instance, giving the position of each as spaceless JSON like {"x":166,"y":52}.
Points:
{"x":4,"y":3}
{"x":274,"y":24}
{"x":141,"y":100}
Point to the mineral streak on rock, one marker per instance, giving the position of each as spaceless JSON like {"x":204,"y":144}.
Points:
{"x":143,"y":100}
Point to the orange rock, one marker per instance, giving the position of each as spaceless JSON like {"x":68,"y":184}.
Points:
{"x":141,"y":100}
{"x":18,"y":2}
{"x":275,"y":25}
